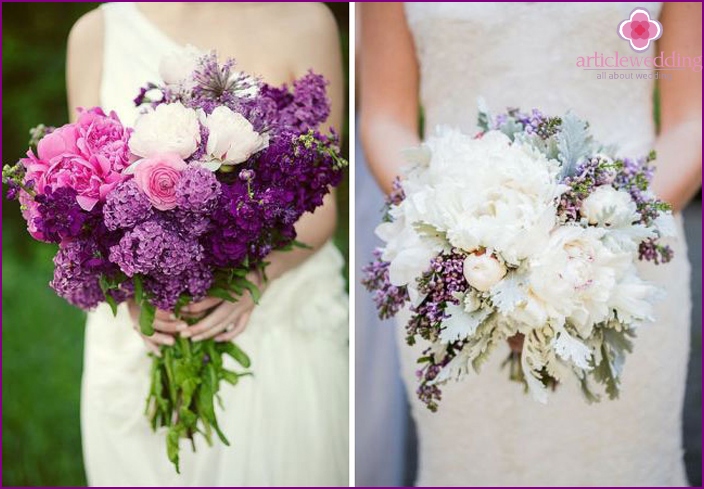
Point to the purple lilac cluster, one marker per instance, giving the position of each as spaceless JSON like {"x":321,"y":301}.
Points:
{"x":591,"y":173}
{"x":77,"y":267}
{"x":440,"y":285}
{"x":628,"y":174}
{"x":388,"y":298}
{"x":634,"y":176}
{"x":533,"y":122}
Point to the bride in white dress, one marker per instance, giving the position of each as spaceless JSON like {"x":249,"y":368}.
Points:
{"x":288,"y":425}
{"x":487,"y":431}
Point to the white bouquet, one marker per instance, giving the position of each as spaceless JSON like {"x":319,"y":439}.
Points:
{"x":527,"y":232}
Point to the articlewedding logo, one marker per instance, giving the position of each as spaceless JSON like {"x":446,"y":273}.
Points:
{"x":639,"y":29}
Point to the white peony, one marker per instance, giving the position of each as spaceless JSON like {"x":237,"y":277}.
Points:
{"x":177,"y":67}
{"x":483,"y":271}
{"x":575,"y":277}
{"x":484,"y":193}
{"x":609,"y":207}
{"x":408,"y":255}
{"x":232,"y":138}
{"x":169,"y":128}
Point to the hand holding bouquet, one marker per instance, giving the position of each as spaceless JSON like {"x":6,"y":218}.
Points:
{"x":188,"y":203}
{"x":529,"y":230}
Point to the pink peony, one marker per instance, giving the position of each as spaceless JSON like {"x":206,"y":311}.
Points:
{"x":99,"y":134}
{"x":92,"y":178}
{"x":59,"y":141}
{"x":86,"y":156}
{"x":157,"y":177}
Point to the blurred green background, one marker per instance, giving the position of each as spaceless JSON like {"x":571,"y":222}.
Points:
{"x":42,"y":335}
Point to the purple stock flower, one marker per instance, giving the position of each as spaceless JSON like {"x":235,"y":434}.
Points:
{"x":60,"y":217}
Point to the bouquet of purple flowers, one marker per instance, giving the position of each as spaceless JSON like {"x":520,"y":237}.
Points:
{"x":212,"y":178}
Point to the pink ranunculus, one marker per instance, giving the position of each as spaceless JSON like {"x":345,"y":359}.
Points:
{"x":100,"y":134}
{"x":157,"y":177}
{"x":59,"y":141}
{"x":92,"y":178}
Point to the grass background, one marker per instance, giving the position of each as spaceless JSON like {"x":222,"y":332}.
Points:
{"x":42,"y":336}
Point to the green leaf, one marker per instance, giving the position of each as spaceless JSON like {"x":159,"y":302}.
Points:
{"x":112,"y":303}
{"x":222,"y":294}
{"x":172,"y":439}
{"x":138,"y":289}
{"x":253,"y":289}
{"x":299,"y":244}
{"x":236,"y":352}
{"x":104,"y":286}
{"x":146,"y":318}
{"x":229,"y":376}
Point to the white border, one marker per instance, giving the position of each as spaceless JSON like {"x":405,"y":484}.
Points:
{"x":352,"y":132}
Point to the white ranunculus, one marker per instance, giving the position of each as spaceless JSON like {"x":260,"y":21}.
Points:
{"x":483,"y":271}
{"x":168,"y":128}
{"x":177,"y":67}
{"x":609,"y":207}
{"x":232,"y":138}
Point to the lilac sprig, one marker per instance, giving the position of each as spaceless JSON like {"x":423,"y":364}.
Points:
{"x":388,"y":298}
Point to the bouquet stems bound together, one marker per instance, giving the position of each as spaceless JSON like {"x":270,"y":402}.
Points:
{"x":185,"y":382}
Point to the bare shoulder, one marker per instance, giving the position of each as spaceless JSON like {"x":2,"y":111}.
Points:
{"x":86,"y":36}
{"x":309,"y":19}
{"x":84,"y":60}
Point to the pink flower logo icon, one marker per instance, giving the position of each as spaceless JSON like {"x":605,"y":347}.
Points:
{"x":639,"y":29}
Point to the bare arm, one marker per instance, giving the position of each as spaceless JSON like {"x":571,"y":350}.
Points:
{"x":84,"y":61}
{"x":680,"y":141}
{"x":389,"y":104}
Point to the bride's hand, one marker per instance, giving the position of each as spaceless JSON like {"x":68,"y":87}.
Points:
{"x":165,"y":327}
{"x":226,"y":320}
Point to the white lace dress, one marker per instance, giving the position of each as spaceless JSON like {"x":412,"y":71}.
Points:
{"x":287,"y":425}
{"x":487,"y":431}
